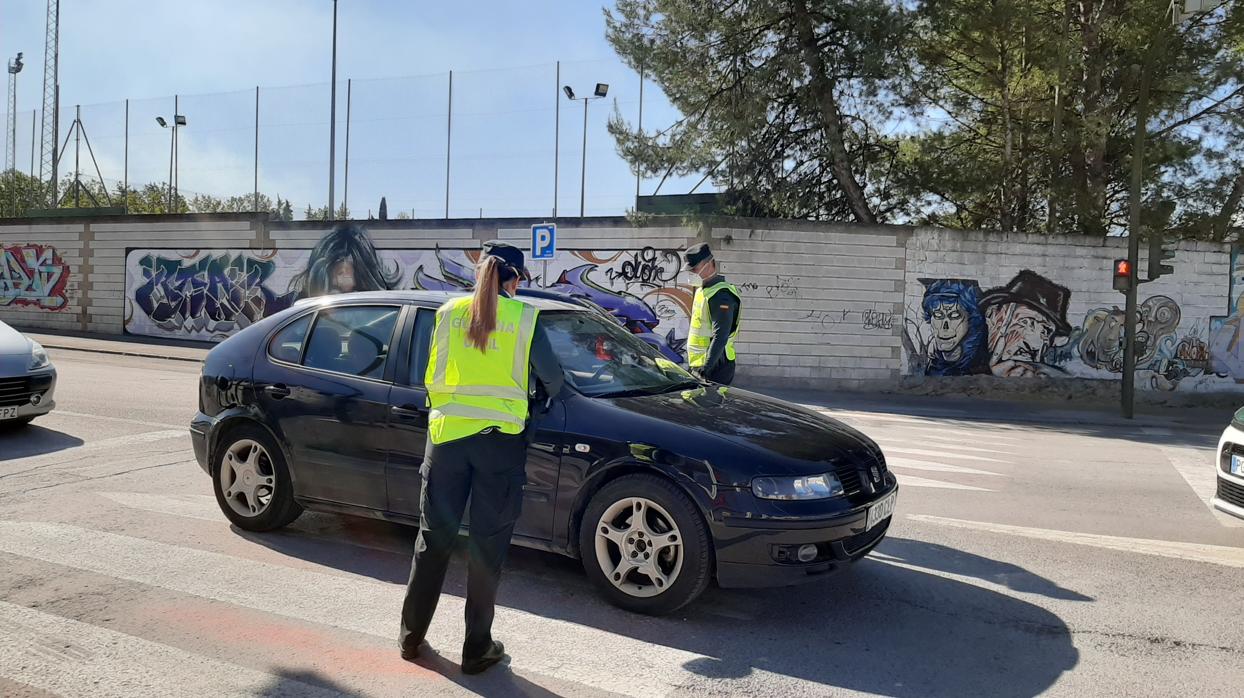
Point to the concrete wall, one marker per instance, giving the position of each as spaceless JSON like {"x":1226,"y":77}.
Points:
{"x":826,"y":305}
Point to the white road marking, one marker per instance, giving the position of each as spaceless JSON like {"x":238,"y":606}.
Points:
{"x":354,"y":603}
{"x":938,"y":467}
{"x":969,"y":437}
{"x":1199,"y":552}
{"x":944,"y":453}
{"x":913,"y":481}
{"x":1198,"y":467}
{"x":899,"y":443}
{"x":191,"y":506}
{"x":72,"y":658}
{"x":123,"y":420}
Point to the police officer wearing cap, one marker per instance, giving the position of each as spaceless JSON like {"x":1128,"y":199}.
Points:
{"x":714,"y":318}
{"x":484,"y":347}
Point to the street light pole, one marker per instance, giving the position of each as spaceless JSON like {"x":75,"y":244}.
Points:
{"x":332,"y":124}
{"x":583,"y":164}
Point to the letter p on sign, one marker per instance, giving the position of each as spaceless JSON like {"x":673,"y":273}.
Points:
{"x":544,"y":241}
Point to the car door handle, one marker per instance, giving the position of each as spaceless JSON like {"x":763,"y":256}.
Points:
{"x":277,"y":391}
{"x":406,"y":411}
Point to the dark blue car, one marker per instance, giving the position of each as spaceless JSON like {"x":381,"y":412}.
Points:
{"x":657,"y":482}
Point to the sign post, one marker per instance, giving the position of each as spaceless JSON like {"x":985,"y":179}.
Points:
{"x":544,"y":246}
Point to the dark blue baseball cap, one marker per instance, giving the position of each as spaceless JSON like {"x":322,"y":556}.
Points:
{"x":512,"y":257}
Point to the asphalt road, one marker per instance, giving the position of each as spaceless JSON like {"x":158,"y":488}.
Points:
{"x":1025,"y":558}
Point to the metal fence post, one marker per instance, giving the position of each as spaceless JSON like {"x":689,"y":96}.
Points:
{"x":449,"y":130}
{"x":257,"y":148}
{"x":125,"y":177}
{"x":345,"y":190}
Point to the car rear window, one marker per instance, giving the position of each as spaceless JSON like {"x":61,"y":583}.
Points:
{"x":287,"y":344}
{"x":354,"y":340}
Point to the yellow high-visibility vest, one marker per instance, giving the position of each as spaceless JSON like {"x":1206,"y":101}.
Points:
{"x":471,"y":390}
{"x":701,"y":337}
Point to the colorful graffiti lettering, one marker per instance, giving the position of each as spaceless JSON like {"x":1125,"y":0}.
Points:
{"x":213,"y":294}
{"x":634,"y":311}
{"x":33,"y":275}
{"x":208,"y":294}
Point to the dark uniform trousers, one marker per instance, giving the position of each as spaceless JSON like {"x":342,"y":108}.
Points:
{"x":489,"y":467}
{"x":723,"y":373}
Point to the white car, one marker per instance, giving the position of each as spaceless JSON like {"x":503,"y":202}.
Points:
{"x":27,"y":379}
{"x":1229,"y":496}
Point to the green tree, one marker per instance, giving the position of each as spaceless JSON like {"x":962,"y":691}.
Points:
{"x":321,"y":213}
{"x":19,"y":193}
{"x":781,"y":99}
{"x":1034,"y":104}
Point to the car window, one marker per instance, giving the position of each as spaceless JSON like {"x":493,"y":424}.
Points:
{"x":353,"y":339}
{"x":600,"y":358}
{"x":421,"y":345}
{"x":287,"y":344}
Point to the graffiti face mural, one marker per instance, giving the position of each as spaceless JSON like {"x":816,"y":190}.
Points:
{"x":954,"y":344}
{"x":1026,"y":319}
{"x":1020,"y":329}
{"x":33,"y":275}
{"x":209,"y":294}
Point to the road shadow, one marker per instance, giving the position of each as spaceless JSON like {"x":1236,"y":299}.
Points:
{"x":293,"y":683}
{"x":877,"y":627}
{"x":1176,"y":426}
{"x":932,"y":556}
{"x":33,"y":440}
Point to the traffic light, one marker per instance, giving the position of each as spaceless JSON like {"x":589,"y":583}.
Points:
{"x":1122,"y":275}
{"x":1159,"y":254}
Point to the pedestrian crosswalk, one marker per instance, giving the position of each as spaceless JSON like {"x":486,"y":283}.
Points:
{"x":966,"y":456}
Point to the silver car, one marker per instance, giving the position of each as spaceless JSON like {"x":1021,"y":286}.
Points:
{"x":27,"y":379}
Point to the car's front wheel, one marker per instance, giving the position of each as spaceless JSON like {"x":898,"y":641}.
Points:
{"x":252,"y":482}
{"x":645,"y":546}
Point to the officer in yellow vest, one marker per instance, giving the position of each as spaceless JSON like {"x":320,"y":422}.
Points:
{"x":483,"y":348}
{"x":714,"y":319}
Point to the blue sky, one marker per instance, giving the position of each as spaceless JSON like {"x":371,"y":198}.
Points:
{"x":214,"y":53}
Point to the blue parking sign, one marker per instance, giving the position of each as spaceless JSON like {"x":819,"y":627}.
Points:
{"x":544,"y":241}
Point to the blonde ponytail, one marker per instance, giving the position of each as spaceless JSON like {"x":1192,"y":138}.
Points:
{"x":484,"y":302}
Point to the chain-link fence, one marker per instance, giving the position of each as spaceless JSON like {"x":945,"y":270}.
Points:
{"x":501,"y":142}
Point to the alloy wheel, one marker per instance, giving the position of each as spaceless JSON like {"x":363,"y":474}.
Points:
{"x":639,"y":547}
{"x":247,"y":478}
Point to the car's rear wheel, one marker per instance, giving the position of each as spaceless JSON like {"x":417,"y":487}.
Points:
{"x":252,"y":482}
{"x":645,"y":545}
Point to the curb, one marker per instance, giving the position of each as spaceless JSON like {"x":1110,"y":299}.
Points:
{"x":123,"y":352}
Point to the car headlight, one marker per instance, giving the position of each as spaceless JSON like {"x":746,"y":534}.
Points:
{"x":38,"y":356}
{"x":821,"y":486}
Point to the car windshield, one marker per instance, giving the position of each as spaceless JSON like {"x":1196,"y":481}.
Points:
{"x":601,"y":359}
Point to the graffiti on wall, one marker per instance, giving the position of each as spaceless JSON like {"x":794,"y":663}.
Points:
{"x":1226,"y":344}
{"x":33,"y":275}
{"x":206,"y":293}
{"x":1011,"y":330}
{"x":210,"y":294}
{"x":1021,"y":329}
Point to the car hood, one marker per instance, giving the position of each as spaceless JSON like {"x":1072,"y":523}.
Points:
{"x":12,"y":342}
{"x":762,"y":435}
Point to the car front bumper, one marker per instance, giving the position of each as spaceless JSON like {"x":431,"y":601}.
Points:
{"x":750,"y":551}
{"x":1229,"y":492}
{"x":39,"y":398}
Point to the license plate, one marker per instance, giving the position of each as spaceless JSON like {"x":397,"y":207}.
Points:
{"x":881,"y":510}
{"x":1237,"y":465}
{"x":8,"y":413}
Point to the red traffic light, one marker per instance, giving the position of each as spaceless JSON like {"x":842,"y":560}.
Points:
{"x":1122,"y":275}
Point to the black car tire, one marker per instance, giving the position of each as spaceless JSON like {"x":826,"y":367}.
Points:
{"x":282,"y":509}
{"x":697,"y":563}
